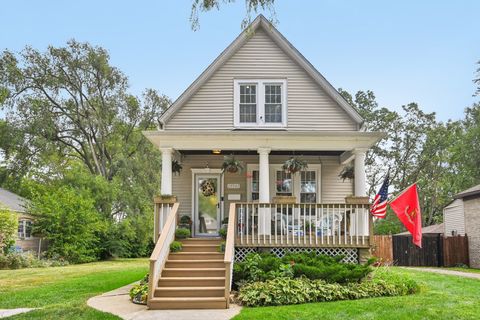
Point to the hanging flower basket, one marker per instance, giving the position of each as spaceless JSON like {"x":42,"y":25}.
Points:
{"x":347,"y":173}
{"x":293,"y":165}
{"x":176,"y":167}
{"x":207,"y":187}
{"x":231,"y":165}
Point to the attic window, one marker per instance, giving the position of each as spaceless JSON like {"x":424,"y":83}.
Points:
{"x":260,"y":103}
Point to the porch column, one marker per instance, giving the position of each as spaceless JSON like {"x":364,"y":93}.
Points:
{"x":166,"y":186}
{"x":264,"y":214}
{"x":360,"y":175}
{"x":360,"y":182}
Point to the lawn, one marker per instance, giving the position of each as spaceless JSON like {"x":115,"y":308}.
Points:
{"x":442,"y":297}
{"x":62,"y":292}
{"x":470,"y":270}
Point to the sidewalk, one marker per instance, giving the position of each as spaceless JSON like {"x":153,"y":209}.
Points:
{"x":118,"y":303}
{"x":447,"y":272}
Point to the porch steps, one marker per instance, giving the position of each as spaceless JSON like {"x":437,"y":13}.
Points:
{"x":193,"y":278}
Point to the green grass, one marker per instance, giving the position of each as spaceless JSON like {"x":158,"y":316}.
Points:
{"x":62,"y":292}
{"x":470,"y":270}
{"x":441,"y":297}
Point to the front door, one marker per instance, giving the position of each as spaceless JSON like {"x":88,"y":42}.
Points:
{"x":207,"y":204}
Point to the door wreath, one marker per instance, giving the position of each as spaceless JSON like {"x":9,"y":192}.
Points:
{"x":207,"y":187}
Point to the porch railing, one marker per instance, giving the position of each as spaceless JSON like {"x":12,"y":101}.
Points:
{"x":229,"y":252}
{"x":302,"y":225}
{"x":162,"y":247}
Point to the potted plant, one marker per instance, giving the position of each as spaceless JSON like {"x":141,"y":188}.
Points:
{"x":231,"y":165}
{"x":225,"y":223}
{"x":176,"y":167}
{"x":309,"y":227}
{"x":347,"y":173}
{"x":223,"y":233}
{"x":185,"y":222}
{"x":182,"y":233}
{"x":293,"y":165}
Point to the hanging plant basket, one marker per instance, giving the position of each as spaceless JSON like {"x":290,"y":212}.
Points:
{"x":208,"y":188}
{"x":231,"y":165}
{"x":176,"y":167}
{"x":347,"y":173}
{"x":293,"y":165}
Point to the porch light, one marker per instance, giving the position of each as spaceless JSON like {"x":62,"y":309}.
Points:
{"x":216,"y":151}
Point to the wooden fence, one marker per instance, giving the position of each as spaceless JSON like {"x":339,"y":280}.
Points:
{"x":436,"y":251}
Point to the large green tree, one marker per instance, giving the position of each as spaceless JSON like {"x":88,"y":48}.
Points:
{"x":71,"y":120}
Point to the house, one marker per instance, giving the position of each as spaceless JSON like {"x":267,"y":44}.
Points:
{"x":260,"y":103}
{"x":25,"y":240}
{"x":462,"y":217}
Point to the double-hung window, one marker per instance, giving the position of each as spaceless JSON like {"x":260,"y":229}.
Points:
{"x":24,"y":229}
{"x":260,"y":103}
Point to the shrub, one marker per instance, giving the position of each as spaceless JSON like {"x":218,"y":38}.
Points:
{"x":260,"y":267}
{"x":175,"y":246}
{"x":17,"y":260}
{"x":327,"y":268}
{"x":8,"y":230}
{"x":223,"y":233}
{"x":139,"y":292}
{"x":283,"y":291}
{"x":221,"y":247}
{"x":182,"y":233}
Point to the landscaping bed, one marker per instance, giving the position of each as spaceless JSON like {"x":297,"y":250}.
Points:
{"x":266,"y":280}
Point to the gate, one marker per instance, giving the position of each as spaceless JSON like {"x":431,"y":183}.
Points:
{"x":405,"y":253}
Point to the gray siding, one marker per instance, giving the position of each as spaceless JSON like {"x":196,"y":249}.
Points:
{"x":309,"y":107}
{"x":472,"y":224}
{"x":333,"y":189}
{"x":453,"y":218}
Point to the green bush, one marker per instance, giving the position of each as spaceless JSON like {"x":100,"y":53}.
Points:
{"x":283,"y":291}
{"x":139,"y":292}
{"x":182,"y":233}
{"x":17,"y":260}
{"x":8,"y":229}
{"x":260,"y":267}
{"x":221,"y":247}
{"x":327,"y":268}
{"x":175,"y":246}
{"x":223,"y":233}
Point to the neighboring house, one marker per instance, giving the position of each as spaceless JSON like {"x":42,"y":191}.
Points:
{"x":462,"y":217}
{"x":25,"y":240}
{"x":262,"y":102}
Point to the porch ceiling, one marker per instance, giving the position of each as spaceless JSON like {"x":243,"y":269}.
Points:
{"x":275,"y":140}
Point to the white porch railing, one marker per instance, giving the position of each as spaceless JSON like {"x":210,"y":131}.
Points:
{"x":303,"y":225}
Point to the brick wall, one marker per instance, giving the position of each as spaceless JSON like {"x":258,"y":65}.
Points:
{"x":472,"y":228}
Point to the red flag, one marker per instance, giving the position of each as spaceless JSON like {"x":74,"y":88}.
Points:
{"x":407,"y":208}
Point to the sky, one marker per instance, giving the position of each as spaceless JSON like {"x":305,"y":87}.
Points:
{"x":404,"y":51}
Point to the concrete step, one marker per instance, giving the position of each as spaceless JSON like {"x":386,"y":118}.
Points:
{"x":193,"y":272}
{"x":195,"y":264}
{"x":196,"y":256}
{"x":191,"y":282}
{"x":200,"y":248}
{"x":190,"y":292}
{"x":188,"y":303}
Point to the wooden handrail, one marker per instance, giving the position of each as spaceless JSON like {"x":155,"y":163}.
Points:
{"x":161,"y":250}
{"x":229,"y":252}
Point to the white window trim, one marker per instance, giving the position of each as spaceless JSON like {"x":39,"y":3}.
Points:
{"x":296,"y":180}
{"x":23,"y":222}
{"x":260,"y":96}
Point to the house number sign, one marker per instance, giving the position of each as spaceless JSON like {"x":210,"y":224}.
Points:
{"x":233,"y":186}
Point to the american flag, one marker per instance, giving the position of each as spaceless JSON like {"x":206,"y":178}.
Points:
{"x":379,"y":206}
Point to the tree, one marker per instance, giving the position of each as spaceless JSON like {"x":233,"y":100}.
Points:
{"x":477,"y":80}
{"x":250,"y":5}
{"x":70,"y":100}
{"x":68,"y":220}
{"x":8,"y":229}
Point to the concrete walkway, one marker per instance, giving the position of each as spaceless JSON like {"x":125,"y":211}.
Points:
{"x":449,"y":272}
{"x":118,"y":303}
{"x":4,"y":313}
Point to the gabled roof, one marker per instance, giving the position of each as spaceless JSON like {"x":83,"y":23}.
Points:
{"x":12,"y":201}
{"x":286,"y":46}
{"x":469,"y":192}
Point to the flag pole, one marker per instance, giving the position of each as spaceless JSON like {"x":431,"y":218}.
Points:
{"x":402,"y":192}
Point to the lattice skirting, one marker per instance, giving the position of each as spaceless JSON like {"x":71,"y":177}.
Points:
{"x":351,"y":254}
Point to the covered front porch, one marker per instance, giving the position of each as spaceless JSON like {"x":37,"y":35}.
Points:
{"x":315,"y":214}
